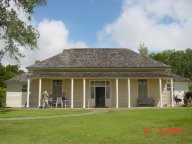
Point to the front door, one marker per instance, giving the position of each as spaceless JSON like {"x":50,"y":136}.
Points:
{"x":100,"y":97}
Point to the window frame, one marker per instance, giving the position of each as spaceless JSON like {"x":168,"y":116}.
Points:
{"x":144,"y":82}
{"x":24,"y":88}
{"x":100,"y":83}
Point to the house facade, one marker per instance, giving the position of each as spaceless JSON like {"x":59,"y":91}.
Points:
{"x":98,"y":77}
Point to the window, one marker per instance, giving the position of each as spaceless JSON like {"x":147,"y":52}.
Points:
{"x":100,"y":83}
{"x":57,"y":88}
{"x":107,"y":92}
{"x":94,"y":84}
{"x":142,"y":88}
{"x":168,"y":85}
{"x":108,"y":83}
{"x":57,"y":82}
{"x":24,"y":88}
{"x":92,"y":92}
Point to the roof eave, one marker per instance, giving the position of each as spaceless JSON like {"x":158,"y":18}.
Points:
{"x":38,"y":68}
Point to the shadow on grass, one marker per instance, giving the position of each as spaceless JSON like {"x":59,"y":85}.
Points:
{"x":5,"y":110}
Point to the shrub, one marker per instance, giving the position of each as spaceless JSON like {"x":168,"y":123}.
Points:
{"x":2,"y":96}
{"x":185,"y":101}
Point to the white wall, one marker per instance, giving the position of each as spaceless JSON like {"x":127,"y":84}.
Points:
{"x":180,"y":88}
{"x":14,"y":96}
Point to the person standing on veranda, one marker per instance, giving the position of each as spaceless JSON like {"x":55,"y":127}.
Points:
{"x":64,"y":99}
{"x":44,"y":98}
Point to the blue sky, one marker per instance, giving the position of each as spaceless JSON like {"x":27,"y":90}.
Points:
{"x":83,"y":18}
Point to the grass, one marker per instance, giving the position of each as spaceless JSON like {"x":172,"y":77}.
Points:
{"x":116,"y":126}
{"x":9,"y":113}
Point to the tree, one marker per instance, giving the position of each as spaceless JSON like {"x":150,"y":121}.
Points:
{"x":2,"y":96}
{"x":8,"y":72}
{"x":5,"y":74}
{"x":2,"y":76}
{"x":13,"y":68}
{"x":143,"y":50}
{"x":180,"y":61}
{"x":14,"y":32}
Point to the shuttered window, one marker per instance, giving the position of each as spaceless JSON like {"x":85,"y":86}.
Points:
{"x":57,"y":88}
{"x":142,"y":88}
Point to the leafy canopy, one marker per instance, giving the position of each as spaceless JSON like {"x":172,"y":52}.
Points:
{"x":180,"y":61}
{"x":143,"y":50}
{"x":14,"y":31}
{"x":7,"y":72}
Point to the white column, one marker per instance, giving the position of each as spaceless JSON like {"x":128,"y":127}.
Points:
{"x":129,"y":95}
{"x":172,"y":100}
{"x":84,"y":85}
{"x":160,"y":92}
{"x":28,"y":91}
{"x":39,"y":102}
{"x":117,"y":94}
{"x":72,"y":93}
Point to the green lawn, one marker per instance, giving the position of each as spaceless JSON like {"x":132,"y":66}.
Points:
{"x":9,"y":113}
{"x":115,"y":126}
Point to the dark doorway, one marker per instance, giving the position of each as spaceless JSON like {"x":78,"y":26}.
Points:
{"x":100,"y":97}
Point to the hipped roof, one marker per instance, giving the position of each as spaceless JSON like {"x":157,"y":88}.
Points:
{"x":98,"y":58}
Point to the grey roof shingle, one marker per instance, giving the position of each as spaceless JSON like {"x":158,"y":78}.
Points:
{"x":98,"y":74}
{"x":23,"y":77}
{"x":19,"y":78}
{"x":178,"y":78}
{"x":98,"y":58}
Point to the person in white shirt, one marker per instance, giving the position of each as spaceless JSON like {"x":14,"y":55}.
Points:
{"x":59,"y":101}
{"x":50,"y":101}
{"x":44,"y":98}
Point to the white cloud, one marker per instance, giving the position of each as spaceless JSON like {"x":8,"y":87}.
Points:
{"x":160,"y":24}
{"x":78,"y":44}
{"x":53,"y":39}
